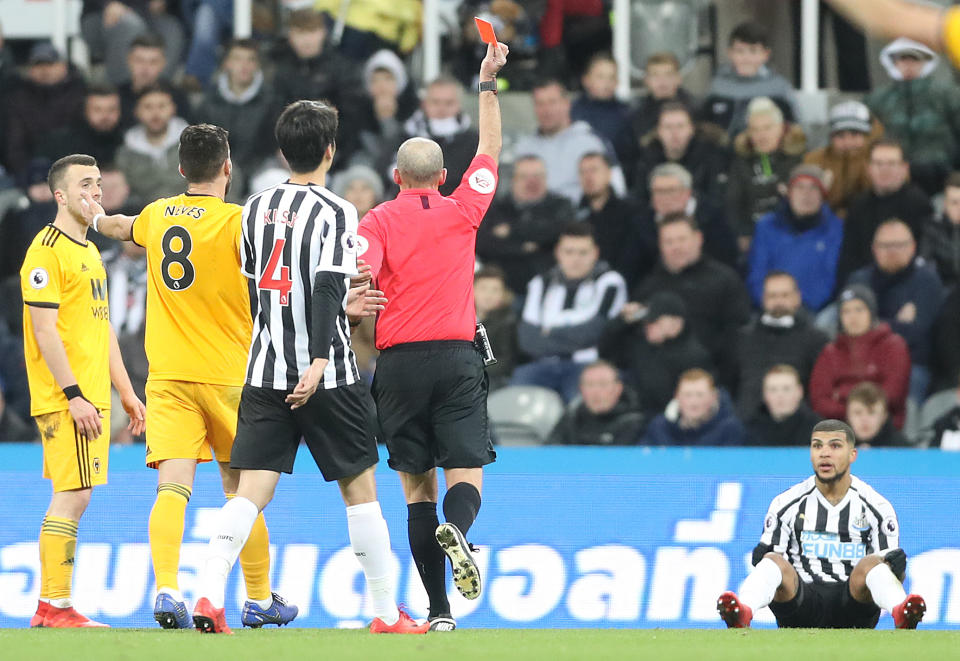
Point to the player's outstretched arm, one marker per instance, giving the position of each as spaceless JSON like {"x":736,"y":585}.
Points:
{"x":895,"y":18}
{"x":491,"y":132}
{"x":84,"y":414}
{"x":121,"y":381}
{"x":115,"y":226}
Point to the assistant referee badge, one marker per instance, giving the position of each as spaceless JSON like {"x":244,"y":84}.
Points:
{"x":482,"y":181}
{"x":39,"y":278}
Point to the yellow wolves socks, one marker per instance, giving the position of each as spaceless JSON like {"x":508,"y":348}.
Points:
{"x":166,"y":532}
{"x":58,"y":545}
{"x":255,"y":562}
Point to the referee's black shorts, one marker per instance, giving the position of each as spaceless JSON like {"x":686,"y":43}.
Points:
{"x":432,"y":404}
{"x":338,"y":426}
{"x":825,"y":606}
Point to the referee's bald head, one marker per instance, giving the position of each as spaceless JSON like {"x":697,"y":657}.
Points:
{"x":420,"y":164}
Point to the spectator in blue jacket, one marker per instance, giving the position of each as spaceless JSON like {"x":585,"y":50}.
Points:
{"x":909,"y":295}
{"x":703,"y":416}
{"x":802,"y":237}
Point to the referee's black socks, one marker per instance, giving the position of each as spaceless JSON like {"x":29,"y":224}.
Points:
{"x":430,"y":559}
{"x":460,"y":505}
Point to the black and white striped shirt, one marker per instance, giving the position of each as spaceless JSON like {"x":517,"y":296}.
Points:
{"x":824,"y":542}
{"x":291,"y":232}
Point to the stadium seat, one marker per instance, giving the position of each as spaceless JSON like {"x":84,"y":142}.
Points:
{"x":667,"y":25}
{"x":935,"y":406}
{"x":524,"y":415}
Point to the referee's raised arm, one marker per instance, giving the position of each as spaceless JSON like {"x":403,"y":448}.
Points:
{"x":491,"y":133}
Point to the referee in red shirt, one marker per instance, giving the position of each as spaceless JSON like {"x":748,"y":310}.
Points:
{"x":430,"y":384}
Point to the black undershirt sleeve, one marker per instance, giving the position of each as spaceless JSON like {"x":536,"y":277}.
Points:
{"x":328,"y":292}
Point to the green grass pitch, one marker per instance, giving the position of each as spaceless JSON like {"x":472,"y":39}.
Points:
{"x":480,"y":645}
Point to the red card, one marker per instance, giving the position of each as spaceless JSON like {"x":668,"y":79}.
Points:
{"x":487,"y":35}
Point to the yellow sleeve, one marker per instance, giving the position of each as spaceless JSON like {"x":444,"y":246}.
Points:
{"x":41,"y":278}
{"x":141,"y":227}
{"x":951,"y":34}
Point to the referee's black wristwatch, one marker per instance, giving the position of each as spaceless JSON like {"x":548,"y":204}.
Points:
{"x":488,"y":86}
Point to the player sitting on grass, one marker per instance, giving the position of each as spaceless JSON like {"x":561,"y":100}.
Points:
{"x":829,"y":555}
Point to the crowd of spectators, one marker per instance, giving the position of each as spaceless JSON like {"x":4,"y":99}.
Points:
{"x":687,"y":268}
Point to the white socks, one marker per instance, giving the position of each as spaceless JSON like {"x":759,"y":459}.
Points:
{"x":174,"y":594}
{"x":886,"y":590}
{"x":761,"y":584}
{"x":371,"y":545}
{"x":233,"y":527}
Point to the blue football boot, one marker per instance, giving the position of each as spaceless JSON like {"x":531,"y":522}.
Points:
{"x":170,"y":613}
{"x":279,"y":613}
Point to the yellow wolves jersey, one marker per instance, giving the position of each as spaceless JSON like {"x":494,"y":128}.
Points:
{"x":951,"y":35}
{"x":59,"y":272}
{"x":198,"y":306}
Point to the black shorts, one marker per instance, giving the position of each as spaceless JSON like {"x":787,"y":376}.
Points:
{"x":338,"y":426}
{"x":432,"y":406}
{"x":825,"y":606}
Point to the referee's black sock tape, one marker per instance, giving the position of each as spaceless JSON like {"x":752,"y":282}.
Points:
{"x":430,"y":559}
{"x":460,"y":505}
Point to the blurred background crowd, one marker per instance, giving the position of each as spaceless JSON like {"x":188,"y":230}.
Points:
{"x":697,"y":264}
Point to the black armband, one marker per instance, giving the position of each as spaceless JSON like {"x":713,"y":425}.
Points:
{"x":759,"y":551}
{"x":328,"y":292}
{"x":73,"y":391}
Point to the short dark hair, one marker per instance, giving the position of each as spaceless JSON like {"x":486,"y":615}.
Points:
{"x":867,"y":393}
{"x":148,"y":40}
{"x":598,"y":154}
{"x":304,"y":131}
{"x":203,"y":150}
{"x":750,"y":32}
{"x":543,"y":83}
{"x":953,"y":181}
{"x":602,"y":56}
{"x":491,"y":272}
{"x":158,"y":87}
{"x":675,"y":106}
{"x":307,"y":20}
{"x":101,"y":89}
{"x":577,"y":230}
{"x":836,"y":425}
{"x":245,"y":44}
{"x":888,"y":142}
{"x":777,"y":273}
{"x":60,"y":167}
{"x":679,"y":217}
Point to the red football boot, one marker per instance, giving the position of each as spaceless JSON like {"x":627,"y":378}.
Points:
{"x":43,"y":607}
{"x":208,"y":619}
{"x":908,"y":613}
{"x":737,"y":615}
{"x":405,"y":624}
{"x":68,"y":618}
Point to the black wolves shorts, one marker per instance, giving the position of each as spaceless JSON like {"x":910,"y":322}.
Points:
{"x":825,"y":606}
{"x":337,"y":425}
{"x":432,"y":404}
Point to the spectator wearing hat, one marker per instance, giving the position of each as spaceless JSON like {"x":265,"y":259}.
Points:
{"x":940,"y":244}
{"x":764,"y":155}
{"x":702,"y":416}
{"x":48,"y":98}
{"x":606,"y":414}
{"x":844,"y":160}
{"x":782,"y":334}
{"x":865,"y":350}
{"x":802,"y":237}
{"x":909,"y":296}
{"x":784,"y":418}
{"x":920,"y":112}
{"x":891,"y":195}
{"x":653,"y":347}
{"x":243,"y":103}
{"x":868,"y":416}
{"x":390,"y":101}
{"x":717,"y":301}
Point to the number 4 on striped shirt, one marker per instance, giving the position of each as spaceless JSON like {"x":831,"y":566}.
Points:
{"x":281,"y":284}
